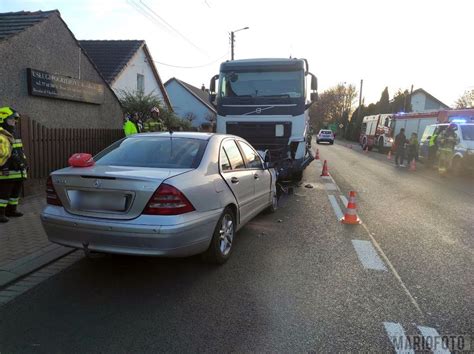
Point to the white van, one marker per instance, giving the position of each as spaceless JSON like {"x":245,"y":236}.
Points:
{"x":463,"y":158}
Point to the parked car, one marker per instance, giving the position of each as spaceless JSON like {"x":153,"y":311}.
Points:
{"x":325,"y":135}
{"x":160,"y":194}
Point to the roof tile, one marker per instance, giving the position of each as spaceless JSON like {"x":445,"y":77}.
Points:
{"x":111,"y":57}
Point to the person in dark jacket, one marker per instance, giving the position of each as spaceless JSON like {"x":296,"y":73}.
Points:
{"x":13,"y":165}
{"x":413,"y":148}
{"x":400,"y":141}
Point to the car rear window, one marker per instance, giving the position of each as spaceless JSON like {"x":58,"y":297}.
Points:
{"x":157,"y":152}
{"x":326,"y":131}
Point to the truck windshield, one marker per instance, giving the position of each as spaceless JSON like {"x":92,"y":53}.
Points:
{"x":262,"y":84}
{"x":467,"y":132}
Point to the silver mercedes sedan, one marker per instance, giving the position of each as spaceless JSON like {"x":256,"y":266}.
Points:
{"x":160,"y":194}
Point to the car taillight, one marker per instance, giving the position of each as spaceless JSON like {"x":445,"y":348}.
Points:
{"x":168,"y":200}
{"x":51,"y":195}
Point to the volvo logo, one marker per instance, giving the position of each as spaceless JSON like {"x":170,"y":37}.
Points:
{"x":97,"y":183}
{"x":258,"y":110}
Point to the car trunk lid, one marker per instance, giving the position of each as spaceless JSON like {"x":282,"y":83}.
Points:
{"x":111,"y":192}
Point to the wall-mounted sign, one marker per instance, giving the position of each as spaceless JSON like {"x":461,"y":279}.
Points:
{"x":41,"y":83}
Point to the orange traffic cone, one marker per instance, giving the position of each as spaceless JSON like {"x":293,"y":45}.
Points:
{"x":350,"y":217}
{"x":317,"y":154}
{"x":325,"y":172}
{"x":413,"y":165}
{"x":389,"y":156}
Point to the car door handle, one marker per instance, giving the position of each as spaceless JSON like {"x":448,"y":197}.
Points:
{"x":256,"y":176}
{"x":234,"y":180}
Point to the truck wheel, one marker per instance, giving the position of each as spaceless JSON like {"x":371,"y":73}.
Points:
{"x":381,"y":148}
{"x":297,"y":176}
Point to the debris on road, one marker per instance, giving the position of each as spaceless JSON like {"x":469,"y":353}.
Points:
{"x":309,"y":185}
{"x":280,"y":220}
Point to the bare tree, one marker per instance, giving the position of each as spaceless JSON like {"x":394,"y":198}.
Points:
{"x":466,"y":100}
{"x":211,"y":118}
{"x":190,"y":116}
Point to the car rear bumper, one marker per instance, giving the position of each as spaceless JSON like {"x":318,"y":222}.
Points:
{"x":132,"y":237}
{"x":328,"y":140}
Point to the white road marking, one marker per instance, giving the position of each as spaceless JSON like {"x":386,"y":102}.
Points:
{"x":330,"y":187}
{"x":398,"y":338}
{"x":432,"y":333}
{"x":344,"y":200}
{"x":368,"y":255}
{"x":338,"y":212}
{"x":393,"y":270}
{"x":336,"y":207}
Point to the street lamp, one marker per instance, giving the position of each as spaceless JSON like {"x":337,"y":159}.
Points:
{"x":232,"y":40}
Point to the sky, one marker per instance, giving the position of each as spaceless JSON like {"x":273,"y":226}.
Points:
{"x":394,"y":43}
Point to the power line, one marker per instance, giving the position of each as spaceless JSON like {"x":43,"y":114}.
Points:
{"x":152,"y":13}
{"x":192,"y":67}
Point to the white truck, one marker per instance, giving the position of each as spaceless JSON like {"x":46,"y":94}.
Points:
{"x":266,"y":102}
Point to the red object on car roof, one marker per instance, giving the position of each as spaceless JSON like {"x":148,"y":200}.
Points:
{"x":81,"y":160}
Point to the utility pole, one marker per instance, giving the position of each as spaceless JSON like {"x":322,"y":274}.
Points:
{"x":232,"y":40}
{"x":232,"y":45}
{"x":360,"y":100}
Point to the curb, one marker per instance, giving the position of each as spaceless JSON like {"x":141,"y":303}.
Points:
{"x":27,"y":264}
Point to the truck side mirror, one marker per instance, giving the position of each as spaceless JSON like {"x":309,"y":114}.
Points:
{"x":314,"y":96}
{"x":212,"y":86}
{"x":314,"y":82}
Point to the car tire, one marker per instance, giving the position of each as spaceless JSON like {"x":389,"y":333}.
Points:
{"x":223,"y":237}
{"x":317,"y":142}
{"x":331,"y":143}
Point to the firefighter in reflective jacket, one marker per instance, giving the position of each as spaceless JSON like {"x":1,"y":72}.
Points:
{"x":153,"y":124}
{"x":447,"y":142}
{"x":12,"y":164}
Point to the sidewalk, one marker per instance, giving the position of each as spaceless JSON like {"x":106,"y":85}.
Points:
{"x":24,"y":246}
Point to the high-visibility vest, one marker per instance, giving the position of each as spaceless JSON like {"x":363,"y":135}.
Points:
{"x":130,"y":128}
{"x":152,"y":126}
{"x":15,"y":166}
{"x":433,"y":140}
{"x":6,"y":146}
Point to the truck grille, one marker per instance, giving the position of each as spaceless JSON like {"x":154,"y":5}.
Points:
{"x":272,"y":136}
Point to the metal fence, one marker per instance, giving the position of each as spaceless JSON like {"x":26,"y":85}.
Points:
{"x":48,"y":149}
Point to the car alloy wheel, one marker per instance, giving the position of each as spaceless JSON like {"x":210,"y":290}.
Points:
{"x":226,"y":234}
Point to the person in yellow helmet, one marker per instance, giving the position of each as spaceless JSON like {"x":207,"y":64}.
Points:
{"x":12,"y":164}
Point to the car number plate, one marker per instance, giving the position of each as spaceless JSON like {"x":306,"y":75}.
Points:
{"x":98,"y":201}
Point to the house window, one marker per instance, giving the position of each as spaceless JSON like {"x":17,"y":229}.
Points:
{"x":140,"y":83}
